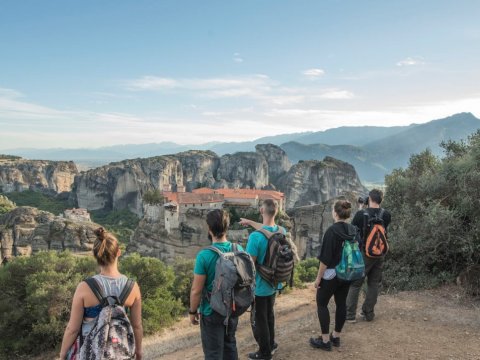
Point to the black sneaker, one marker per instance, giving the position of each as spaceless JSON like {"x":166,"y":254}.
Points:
{"x":367,"y":316}
{"x":335,"y":340}
{"x":274,"y":348}
{"x":258,"y":356}
{"x":319,"y":344}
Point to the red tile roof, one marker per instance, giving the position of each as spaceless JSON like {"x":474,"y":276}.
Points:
{"x":242,"y":193}
{"x":192,"y":198}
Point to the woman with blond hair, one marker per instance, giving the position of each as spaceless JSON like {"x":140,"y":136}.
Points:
{"x":85,"y":305}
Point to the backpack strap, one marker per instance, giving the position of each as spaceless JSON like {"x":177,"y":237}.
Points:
{"x":96,"y":289}
{"x":127,"y":289}
{"x":380,"y":214}
{"x":265,"y":233}
{"x":215,"y":249}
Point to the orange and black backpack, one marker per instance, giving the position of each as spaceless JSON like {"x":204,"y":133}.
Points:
{"x":376,"y":243}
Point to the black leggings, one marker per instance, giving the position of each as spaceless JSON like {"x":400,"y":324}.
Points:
{"x":339,"y":290}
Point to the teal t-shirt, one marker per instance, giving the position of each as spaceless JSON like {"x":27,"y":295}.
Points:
{"x":205,"y":265}
{"x":257,"y":246}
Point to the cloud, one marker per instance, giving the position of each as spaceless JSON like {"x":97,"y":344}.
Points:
{"x":337,"y":94}
{"x":237,"y":58}
{"x":411,"y":61}
{"x":313,"y":73}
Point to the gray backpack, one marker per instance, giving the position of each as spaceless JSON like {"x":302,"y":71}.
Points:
{"x":111,"y":337}
{"x":233,"y":289}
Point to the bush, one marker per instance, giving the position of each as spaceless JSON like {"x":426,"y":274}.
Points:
{"x":153,"y":197}
{"x":55,"y":205}
{"x":36,"y":298}
{"x":121,"y":223}
{"x":37,"y":292}
{"x":183,"y":269}
{"x":5,"y":205}
{"x":435,"y":231}
{"x":306,"y":271}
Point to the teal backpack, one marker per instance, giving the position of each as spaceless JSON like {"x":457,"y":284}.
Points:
{"x":351,"y":266}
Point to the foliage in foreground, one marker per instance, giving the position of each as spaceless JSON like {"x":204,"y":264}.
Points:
{"x":36,"y":294}
{"x":435,"y":231}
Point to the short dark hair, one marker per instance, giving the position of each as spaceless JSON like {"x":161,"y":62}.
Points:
{"x":270,"y":207}
{"x":343,"y":209}
{"x":218,"y":221}
{"x":376,"y":196}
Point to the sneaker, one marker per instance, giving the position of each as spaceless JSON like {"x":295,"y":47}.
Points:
{"x":335,"y":340}
{"x":319,"y":344}
{"x":351,"y":320}
{"x":367,"y":317}
{"x":274,"y":348}
{"x":258,"y":356}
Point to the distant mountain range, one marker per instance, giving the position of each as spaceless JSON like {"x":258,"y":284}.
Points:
{"x":373,"y":150}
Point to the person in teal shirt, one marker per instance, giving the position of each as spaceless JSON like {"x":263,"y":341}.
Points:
{"x":263,"y":325}
{"x":218,"y":339}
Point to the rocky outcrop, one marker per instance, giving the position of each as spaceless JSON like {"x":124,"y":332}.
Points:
{"x":152,"y":239}
{"x":243,"y":170}
{"x":314,"y":182}
{"x":199,"y":168}
{"x":277,"y":159}
{"x":121,"y":185}
{"x":311,"y":222}
{"x":53,"y":177}
{"x":26,"y":230}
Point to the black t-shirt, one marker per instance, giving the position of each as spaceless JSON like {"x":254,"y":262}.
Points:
{"x":332,"y":244}
{"x":358,"y":219}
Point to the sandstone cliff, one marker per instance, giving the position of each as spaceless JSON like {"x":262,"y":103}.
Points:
{"x":199,"y":168}
{"x":152,"y":239}
{"x":18,"y":174}
{"x":244,"y":169}
{"x":277,"y":160}
{"x":26,"y":230}
{"x":121,"y":185}
{"x":314,"y":182}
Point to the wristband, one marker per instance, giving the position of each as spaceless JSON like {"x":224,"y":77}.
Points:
{"x":192,"y":312}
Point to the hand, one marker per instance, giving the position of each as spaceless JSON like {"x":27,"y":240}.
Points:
{"x":244,"y":222}
{"x":317,"y":283}
{"x":195,"y":319}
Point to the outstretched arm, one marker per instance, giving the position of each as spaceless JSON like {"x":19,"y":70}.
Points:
{"x":248,"y":222}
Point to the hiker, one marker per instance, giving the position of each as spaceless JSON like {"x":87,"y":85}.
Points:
{"x":86,"y":306}
{"x":263,"y":317}
{"x":327,"y":283}
{"x":365,"y":221}
{"x":218,"y":320}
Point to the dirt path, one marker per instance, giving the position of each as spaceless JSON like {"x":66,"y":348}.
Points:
{"x":436,"y":324}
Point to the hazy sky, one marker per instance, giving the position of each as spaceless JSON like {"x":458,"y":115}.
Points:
{"x":94,"y":73}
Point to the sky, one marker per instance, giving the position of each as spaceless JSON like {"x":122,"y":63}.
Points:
{"x":86,"y":74}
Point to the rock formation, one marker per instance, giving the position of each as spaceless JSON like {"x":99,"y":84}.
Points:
{"x":121,"y":185}
{"x":311,"y":222}
{"x":26,"y":230}
{"x":314,"y":182}
{"x":152,"y":239}
{"x":243,"y":170}
{"x":277,"y":160}
{"x":199,"y":168}
{"x":17,"y":174}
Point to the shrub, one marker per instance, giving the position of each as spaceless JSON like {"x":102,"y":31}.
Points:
{"x":435,"y":231}
{"x":153,"y":197}
{"x":37,"y":291}
{"x":183,"y":269}
{"x":5,"y":205}
{"x":55,"y":205}
{"x":306,"y":271}
{"x":121,"y":223}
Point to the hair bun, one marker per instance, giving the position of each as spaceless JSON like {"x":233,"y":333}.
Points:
{"x":346,"y":205}
{"x":100,"y":233}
